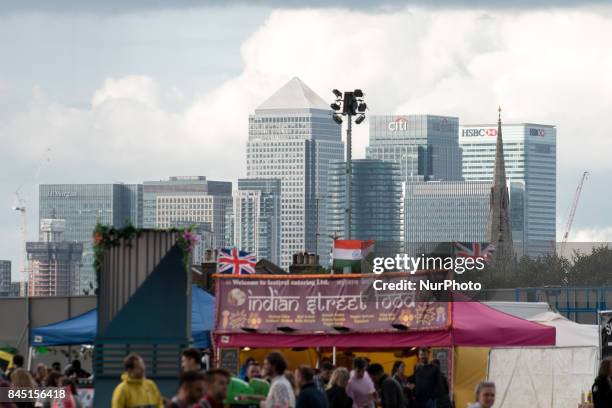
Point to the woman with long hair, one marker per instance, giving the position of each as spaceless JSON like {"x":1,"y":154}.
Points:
{"x":336,"y":389}
{"x":20,"y":378}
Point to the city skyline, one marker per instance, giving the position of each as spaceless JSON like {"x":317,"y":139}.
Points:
{"x":183,"y":114}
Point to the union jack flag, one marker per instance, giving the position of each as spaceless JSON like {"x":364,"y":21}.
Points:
{"x":474,"y":250}
{"x":236,"y":262}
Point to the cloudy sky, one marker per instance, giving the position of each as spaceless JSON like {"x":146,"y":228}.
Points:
{"x":105,"y":93}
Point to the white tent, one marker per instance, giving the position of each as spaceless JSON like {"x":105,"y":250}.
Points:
{"x":547,"y":377}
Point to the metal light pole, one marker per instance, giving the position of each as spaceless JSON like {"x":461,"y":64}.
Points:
{"x":349,"y":104}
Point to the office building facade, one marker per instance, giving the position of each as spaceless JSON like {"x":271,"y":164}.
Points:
{"x":177,"y":186}
{"x":292,"y":137}
{"x":425,"y":146}
{"x":256,"y":215}
{"x":84,"y":205}
{"x":376,"y":204}
{"x":8,"y":288}
{"x":53,"y":263}
{"x":530,"y":162}
{"x":446,"y":211}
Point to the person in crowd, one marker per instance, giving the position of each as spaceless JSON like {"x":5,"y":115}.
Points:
{"x":17,"y":363}
{"x":360,"y":386}
{"x":56,"y":366}
{"x":245,"y":367}
{"x":191,"y":360}
{"x":485,"y":395}
{"x":336,"y":389}
{"x":135,"y":390}
{"x":602,"y":387}
{"x":398,"y":372}
{"x":281,"y":394}
{"x":444,"y":400}
{"x":192,"y":387}
{"x":40,"y":374}
{"x":71,"y":398}
{"x":322,"y":379}
{"x":21,"y":378}
{"x":291,"y":378}
{"x":5,"y":384}
{"x":427,"y":378}
{"x":217,"y":381}
{"x":389,"y":390}
{"x":52,"y":380}
{"x":254,"y":371}
{"x":75,"y":371}
{"x":309,"y":395}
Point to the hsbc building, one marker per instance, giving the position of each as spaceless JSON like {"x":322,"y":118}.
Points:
{"x":530,"y":153}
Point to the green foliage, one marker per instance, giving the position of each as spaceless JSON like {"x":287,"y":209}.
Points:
{"x":580,"y":269}
{"x":106,"y":237}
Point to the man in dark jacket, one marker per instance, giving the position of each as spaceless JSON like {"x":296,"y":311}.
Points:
{"x":389,"y":390}
{"x":602,"y":388}
{"x":428,"y":380}
{"x":310,"y":396}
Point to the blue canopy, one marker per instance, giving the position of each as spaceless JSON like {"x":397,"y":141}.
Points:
{"x":81,"y":329}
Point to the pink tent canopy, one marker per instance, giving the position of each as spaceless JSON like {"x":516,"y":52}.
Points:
{"x":473,"y":324}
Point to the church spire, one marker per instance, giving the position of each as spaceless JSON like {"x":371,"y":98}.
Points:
{"x":500,"y":232}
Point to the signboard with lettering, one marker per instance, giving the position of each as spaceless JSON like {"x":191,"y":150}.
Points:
{"x":478,"y":132}
{"x":229,"y":359}
{"x":327,"y":304}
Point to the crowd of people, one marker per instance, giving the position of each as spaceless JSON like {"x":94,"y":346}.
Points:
{"x":271,"y":385}
{"x":44,"y":377}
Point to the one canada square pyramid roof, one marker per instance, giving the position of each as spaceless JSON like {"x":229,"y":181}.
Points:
{"x":295,"y":94}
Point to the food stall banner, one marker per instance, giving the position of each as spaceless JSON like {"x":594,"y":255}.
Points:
{"x":328,"y":304}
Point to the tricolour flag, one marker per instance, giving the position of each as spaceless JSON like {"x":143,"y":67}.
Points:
{"x":348,"y":254}
{"x":234,"y":261}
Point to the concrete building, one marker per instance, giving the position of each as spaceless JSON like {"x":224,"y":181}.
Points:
{"x":425,"y":146}
{"x":84,"y":205}
{"x":8,"y":288}
{"x":376,"y":207}
{"x":256,"y":214}
{"x":53,"y":264}
{"x":189,"y":201}
{"x":177,"y":186}
{"x":185,"y":210}
{"x":530,"y":161}
{"x":292,"y":137}
{"x":446,"y":211}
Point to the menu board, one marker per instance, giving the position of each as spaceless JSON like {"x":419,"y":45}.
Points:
{"x":229,"y":359}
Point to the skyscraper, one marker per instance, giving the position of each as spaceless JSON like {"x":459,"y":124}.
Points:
{"x":256,"y":214}
{"x":446,"y":211}
{"x":425,"y":146}
{"x":530,"y":164}
{"x":82,"y":206}
{"x":177,"y":186}
{"x":8,"y":288}
{"x":292,"y":137}
{"x":53,"y":264}
{"x":189,"y":201}
{"x":376,"y":205}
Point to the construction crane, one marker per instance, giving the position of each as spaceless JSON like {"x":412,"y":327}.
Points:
{"x":570,"y":220}
{"x":21,"y":207}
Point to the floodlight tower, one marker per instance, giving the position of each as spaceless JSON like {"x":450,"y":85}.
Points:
{"x":350,"y":104}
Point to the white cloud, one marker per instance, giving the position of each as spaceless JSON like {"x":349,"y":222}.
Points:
{"x":592,"y":235}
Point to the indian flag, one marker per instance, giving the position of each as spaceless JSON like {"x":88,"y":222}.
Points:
{"x":348,"y":254}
